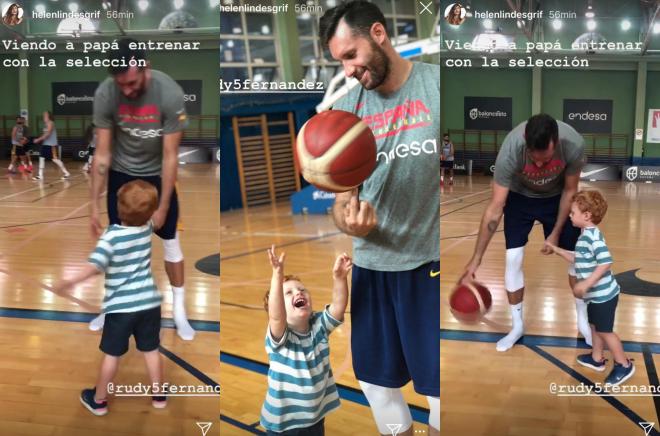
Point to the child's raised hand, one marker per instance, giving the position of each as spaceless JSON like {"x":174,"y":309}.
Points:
{"x":275,"y":262}
{"x":343,"y":265}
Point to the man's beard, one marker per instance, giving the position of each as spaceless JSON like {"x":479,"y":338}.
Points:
{"x":378,"y":67}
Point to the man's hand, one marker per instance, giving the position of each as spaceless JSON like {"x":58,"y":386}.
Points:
{"x":580,"y":289}
{"x":158,"y":218}
{"x":95,"y":223}
{"x":469,"y":273}
{"x":549,"y":248}
{"x":360,"y":216}
{"x":552,"y":241}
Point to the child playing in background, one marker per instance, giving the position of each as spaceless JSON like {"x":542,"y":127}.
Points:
{"x":132,"y":301}
{"x":596,"y":285}
{"x":301,"y":388}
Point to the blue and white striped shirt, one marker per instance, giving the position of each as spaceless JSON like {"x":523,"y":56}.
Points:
{"x":301,"y":388}
{"x":124,"y":254}
{"x":590,"y":252}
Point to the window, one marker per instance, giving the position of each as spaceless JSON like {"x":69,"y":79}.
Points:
{"x":247,"y":43}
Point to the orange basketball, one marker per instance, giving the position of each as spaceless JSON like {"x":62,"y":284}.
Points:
{"x":336,"y":151}
{"x":470,"y":302}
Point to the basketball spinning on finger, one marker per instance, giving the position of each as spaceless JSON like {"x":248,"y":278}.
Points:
{"x":335,"y":151}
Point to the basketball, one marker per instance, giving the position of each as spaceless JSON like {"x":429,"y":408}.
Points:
{"x":335,"y":151}
{"x":469,"y":302}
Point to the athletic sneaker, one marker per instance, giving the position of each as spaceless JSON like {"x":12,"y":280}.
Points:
{"x":36,"y":178}
{"x":87,"y":400}
{"x":620,"y":373}
{"x":588,"y":361}
{"x":66,"y":176}
{"x":159,"y":402}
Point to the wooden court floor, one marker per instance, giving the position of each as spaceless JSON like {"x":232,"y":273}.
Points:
{"x":48,"y":353}
{"x":311,"y":243}
{"x":484,"y":392}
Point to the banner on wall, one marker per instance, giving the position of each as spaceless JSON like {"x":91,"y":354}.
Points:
{"x":73,"y":98}
{"x":589,"y":116}
{"x":192,"y":95}
{"x":488,"y":113}
{"x":653,"y":129}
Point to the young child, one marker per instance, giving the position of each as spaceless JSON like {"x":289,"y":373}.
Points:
{"x":301,"y":388}
{"x":596,"y":285}
{"x":132,"y":301}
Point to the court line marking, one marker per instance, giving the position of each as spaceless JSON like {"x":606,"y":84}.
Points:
{"x":199,"y":375}
{"x":286,"y":244}
{"x":242,"y":426}
{"x":653,"y":377}
{"x":347,"y":393}
{"x":533,"y":342}
{"x":540,"y":340}
{"x":618,"y":405}
{"x":459,"y":199}
{"x":85,"y":317}
{"x":38,"y":187}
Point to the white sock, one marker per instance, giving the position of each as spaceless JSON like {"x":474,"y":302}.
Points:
{"x":183,"y":327}
{"x":583,"y":320}
{"x":97,"y":323}
{"x":42,"y":164}
{"x":516,"y":332}
{"x":60,"y":164}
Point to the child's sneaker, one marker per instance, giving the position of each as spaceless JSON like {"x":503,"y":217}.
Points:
{"x":620,"y":373}
{"x":159,"y":402}
{"x":588,"y":361}
{"x":87,"y":400}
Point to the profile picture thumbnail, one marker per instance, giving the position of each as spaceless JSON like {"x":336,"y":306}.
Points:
{"x":455,"y":14}
{"x":12,"y":14}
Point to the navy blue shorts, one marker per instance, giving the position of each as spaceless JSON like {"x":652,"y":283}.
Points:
{"x":601,"y":315}
{"x":395,"y":333}
{"x":46,"y":151}
{"x":119,"y":327}
{"x":448,"y":164}
{"x":520,"y":212}
{"x":116,"y":180}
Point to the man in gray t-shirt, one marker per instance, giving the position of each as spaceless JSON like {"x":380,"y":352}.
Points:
{"x":394,"y":218}
{"x":536,"y":175}
{"x":139,"y":116}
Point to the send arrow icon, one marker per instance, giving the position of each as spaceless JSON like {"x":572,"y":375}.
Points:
{"x":395,"y":428}
{"x":647,"y":426}
{"x":204,"y":426}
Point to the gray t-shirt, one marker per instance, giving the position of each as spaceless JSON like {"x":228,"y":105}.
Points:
{"x":139,"y":125}
{"x":19,"y":135}
{"x":404,"y":187}
{"x":52,"y":138}
{"x":515,"y":170}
